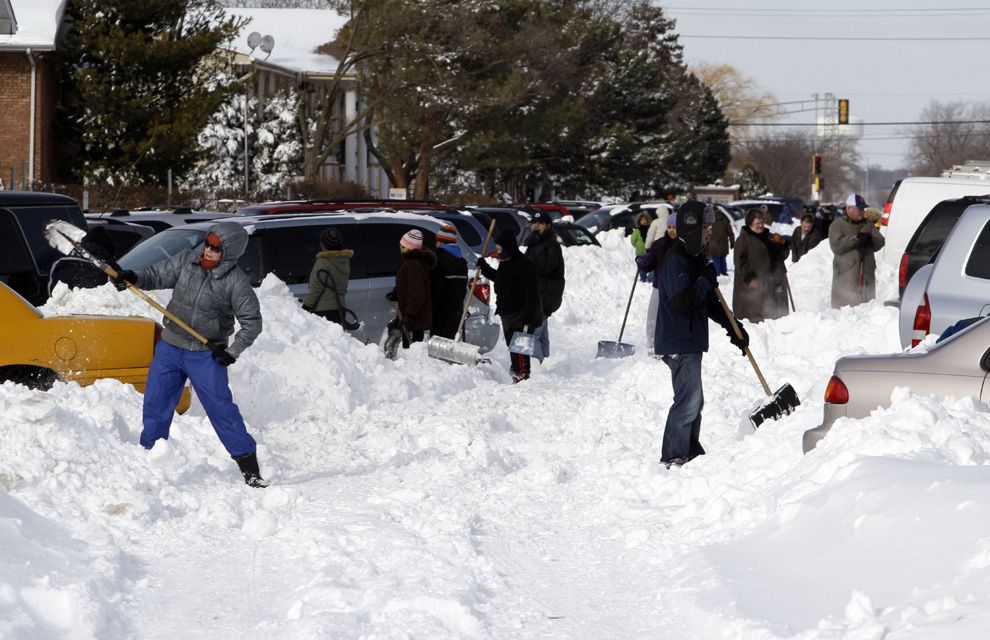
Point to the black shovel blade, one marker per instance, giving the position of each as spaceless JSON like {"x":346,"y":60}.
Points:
{"x":610,"y":349}
{"x":784,"y":401}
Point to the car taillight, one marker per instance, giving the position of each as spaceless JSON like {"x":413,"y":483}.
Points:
{"x":922,"y":322}
{"x":836,"y":391}
{"x":885,"y":218}
{"x":482,"y":291}
{"x":158,"y":332}
{"x":902,"y":272}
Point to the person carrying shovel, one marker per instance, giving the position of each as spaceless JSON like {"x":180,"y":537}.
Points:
{"x":854,"y":240}
{"x":209,"y":291}
{"x":687,"y":301}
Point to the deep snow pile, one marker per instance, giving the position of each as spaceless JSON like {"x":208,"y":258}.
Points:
{"x":419,"y":499}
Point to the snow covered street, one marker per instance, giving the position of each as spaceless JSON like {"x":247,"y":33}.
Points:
{"x":417,"y":499}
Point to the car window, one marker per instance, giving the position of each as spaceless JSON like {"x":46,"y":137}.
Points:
{"x":288,"y":252}
{"x":123,"y":239}
{"x":14,"y":256}
{"x":379,"y":244}
{"x":161,"y":247}
{"x":571,"y":236}
{"x":935,"y":227}
{"x":251,"y":263}
{"x":32,"y":221}
{"x":978,"y":264}
{"x":465,"y":229}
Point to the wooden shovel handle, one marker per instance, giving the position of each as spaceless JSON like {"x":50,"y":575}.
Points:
{"x":749,"y":354}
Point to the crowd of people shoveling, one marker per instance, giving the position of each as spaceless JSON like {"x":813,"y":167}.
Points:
{"x":682,"y":256}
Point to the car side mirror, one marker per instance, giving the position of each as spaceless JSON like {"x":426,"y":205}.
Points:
{"x":985,"y":361}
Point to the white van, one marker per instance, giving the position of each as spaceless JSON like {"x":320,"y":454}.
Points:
{"x":912,"y":198}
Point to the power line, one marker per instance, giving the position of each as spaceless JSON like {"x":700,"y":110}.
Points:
{"x":864,"y":39}
{"x":858,"y":124}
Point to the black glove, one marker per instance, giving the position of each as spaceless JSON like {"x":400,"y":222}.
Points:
{"x":481,"y":261}
{"x":391,"y":296}
{"x":124,"y":277}
{"x":739,"y":343}
{"x":864,"y":240}
{"x":710,"y":275}
{"x":221,"y":354}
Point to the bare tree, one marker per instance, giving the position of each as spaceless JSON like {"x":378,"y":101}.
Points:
{"x":784,"y":159}
{"x":963,"y":134}
{"x":738,"y":95}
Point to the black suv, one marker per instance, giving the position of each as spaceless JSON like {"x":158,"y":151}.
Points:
{"x":25,"y":255}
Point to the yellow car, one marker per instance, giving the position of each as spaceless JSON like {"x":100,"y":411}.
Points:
{"x":37,"y":351}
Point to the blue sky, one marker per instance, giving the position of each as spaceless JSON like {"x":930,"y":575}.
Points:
{"x":885,"y":80}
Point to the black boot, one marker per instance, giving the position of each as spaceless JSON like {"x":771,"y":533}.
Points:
{"x":249,"y":469}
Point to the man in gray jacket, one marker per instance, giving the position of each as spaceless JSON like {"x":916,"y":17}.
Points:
{"x":209,"y":291}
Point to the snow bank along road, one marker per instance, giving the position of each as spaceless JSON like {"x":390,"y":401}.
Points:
{"x":416,"y":499}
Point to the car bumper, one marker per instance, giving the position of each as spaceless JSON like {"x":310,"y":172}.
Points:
{"x":812,"y":437}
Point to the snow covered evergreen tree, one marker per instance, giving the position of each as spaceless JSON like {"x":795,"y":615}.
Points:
{"x":278,"y":147}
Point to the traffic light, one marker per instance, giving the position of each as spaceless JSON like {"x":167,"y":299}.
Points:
{"x":816,"y":164}
{"x":819,"y":184}
{"x":843,"y":111}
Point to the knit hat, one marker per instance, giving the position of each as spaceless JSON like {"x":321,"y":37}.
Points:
{"x":672,"y":220}
{"x":331,"y":238}
{"x":541,"y":216}
{"x":412,"y":239}
{"x":856,"y":200}
{"x":447,"y":234}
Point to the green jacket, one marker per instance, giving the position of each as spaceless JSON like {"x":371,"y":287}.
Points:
{"x":638,"y":242}
{"x":330,"y":272}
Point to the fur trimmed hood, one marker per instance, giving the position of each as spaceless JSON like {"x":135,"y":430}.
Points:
{"x":336,"y":253}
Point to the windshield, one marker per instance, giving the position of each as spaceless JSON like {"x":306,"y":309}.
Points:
{"x":573,"y":235}
{"x":162,"y":246}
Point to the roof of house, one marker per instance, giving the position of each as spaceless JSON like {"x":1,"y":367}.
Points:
{"x":297,"y":34}
{"x":37,"y":24}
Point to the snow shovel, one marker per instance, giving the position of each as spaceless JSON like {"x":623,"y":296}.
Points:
{"x":619,"y":349}
{"x":457,"y":351}
{"x":66,"y":237}
{"x":783,"y":402}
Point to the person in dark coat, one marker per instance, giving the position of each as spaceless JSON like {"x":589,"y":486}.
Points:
{"x":78,"y":272}
{"x":760,"y":286}
{"x":328,"y":279}
{"x":651,"y":262}
{"x":412,"y":287}
{"x":209,"y":292}
{"x":544,"y":252}
{"x":448,"y":285}
{"x":805,"y":237}
{"x":687,"y":302}
{"x":517,"y":299}
{"x":723,"y":239}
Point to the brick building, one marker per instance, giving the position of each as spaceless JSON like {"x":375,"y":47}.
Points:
{"x":28,"y":91}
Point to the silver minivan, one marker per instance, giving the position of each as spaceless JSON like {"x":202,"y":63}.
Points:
{"x":286,"y":245}
{"x":955,"y":286}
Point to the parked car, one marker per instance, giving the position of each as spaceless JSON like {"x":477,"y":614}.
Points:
{"x":37,"y":351}
{"x":955,"y":286}
{"x":859,"y":384}
{"x":911,"y":199}
{"x":625,"y":216}
{"x":597,"y":221}
{"x":25,"y":256}
{"x":569,"y":234}
{"x":326,"y":204}
{"x":155,"y":219}
{"x":506,"y":218}
{"x":930,"y":235}
{"x":123,"y":235}
{"x":556,"y":211}
{"x":780,"y":210}
{"x":285,"y":245}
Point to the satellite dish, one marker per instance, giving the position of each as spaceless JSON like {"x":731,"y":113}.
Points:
{"x":254,"y":39}
{"x":267,"y":44}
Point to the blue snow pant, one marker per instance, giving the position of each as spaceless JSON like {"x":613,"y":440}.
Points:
{"x":683,"y":428}
{"x":721,"y":268}
{"x":542,"y":334}
{"x":170,"y":369}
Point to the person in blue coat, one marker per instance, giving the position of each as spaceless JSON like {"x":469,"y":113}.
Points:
{"x":687,"y":301}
